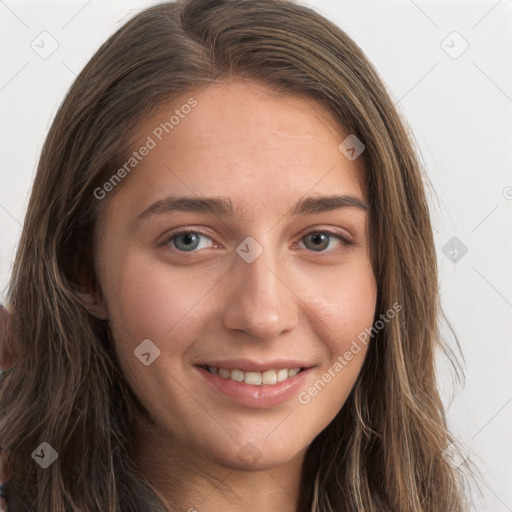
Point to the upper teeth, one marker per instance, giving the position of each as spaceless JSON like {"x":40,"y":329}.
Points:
{"x":257,"y":378}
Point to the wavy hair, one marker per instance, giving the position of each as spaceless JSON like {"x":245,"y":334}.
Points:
{"x":383,"y":452}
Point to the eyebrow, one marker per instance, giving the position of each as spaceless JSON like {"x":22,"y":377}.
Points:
{"x":223,"y":207}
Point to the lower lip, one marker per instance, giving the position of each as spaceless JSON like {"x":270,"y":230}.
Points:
{"x":250,"y":395}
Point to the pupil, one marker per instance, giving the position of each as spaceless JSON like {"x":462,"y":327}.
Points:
{"x":317,"y":238}
{"x":188,"y":238}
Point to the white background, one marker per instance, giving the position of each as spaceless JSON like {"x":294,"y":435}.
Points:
{"x":459,"y":110}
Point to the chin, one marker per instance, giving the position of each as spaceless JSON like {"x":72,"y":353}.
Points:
{"x":253,"y":456}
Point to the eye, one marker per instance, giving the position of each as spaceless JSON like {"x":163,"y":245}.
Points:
{"x":187,"y":240}
{"x":321,"y":240}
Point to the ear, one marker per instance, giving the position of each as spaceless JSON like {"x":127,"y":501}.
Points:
{"x":91,"y":295}
{"x":95,"y":303}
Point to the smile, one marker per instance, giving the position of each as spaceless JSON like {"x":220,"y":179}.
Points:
{"x":250,"y":388}
{"x":269,"y":377}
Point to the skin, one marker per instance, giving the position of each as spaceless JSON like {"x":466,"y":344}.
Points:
{"x":265,"y":152}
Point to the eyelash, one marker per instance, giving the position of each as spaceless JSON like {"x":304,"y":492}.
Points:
{"x":174,"y":234}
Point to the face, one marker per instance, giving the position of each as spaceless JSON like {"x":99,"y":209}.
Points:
{"x":252,"y":289}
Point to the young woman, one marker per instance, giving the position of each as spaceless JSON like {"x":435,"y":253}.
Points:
{"x":225,"y":293}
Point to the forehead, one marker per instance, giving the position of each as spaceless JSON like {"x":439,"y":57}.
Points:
{"x":244,"y":141}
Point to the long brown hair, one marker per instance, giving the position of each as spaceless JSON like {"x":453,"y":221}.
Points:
{"x":384,"y":449}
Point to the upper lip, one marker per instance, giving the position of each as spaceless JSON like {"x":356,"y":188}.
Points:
{"x":254,"y":366}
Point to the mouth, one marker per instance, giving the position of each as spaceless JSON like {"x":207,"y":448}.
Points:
{"x":265,"y":388}
{"x":256,"y":378}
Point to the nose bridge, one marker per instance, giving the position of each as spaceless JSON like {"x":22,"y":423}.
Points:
{"x":262,"y":304}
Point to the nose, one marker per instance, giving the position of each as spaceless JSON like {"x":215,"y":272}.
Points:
{"x":262,"y":302}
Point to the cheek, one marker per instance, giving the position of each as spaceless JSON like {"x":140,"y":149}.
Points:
{"x":344,"y":305}
{"x":148,"y":300}
{"x":343,"y":300}
{"x":153,"y":301}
